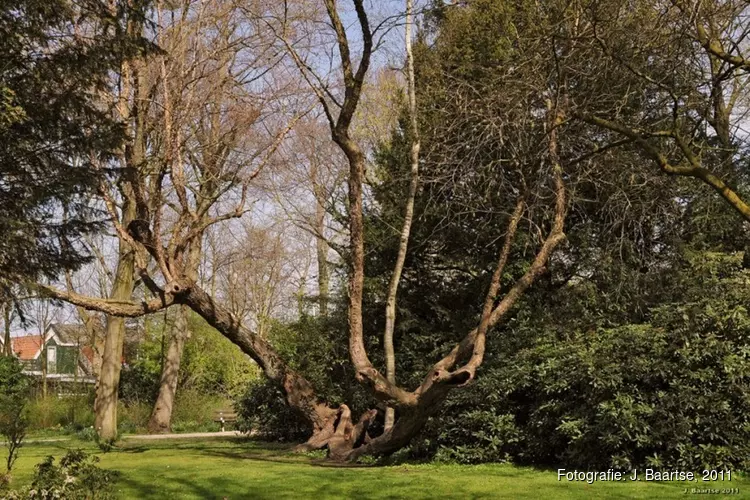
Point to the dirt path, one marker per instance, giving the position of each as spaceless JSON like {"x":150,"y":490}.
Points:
{"x":184,"y":435}
{"x":147,"y":437}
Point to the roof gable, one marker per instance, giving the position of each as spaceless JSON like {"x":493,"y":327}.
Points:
{"x":27,"y":347}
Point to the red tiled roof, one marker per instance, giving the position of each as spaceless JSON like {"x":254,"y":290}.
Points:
{"x":26,"y":347}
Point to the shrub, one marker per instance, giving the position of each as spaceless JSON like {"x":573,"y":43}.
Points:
{"x":672,"y":393}
{"x":139,"y":382}
{"x":69,"y":413}
{"x":668,"y":392}
{"x":194,"y":410}
{"x":14,"y":391}
{"x":263,"y":409}
{"x":132,"y":417}
{"x":76,"y":478}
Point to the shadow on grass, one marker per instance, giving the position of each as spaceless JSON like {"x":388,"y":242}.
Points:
{"x":237,"y":468}
{"x":277,"y":485}
{"x":289,"y":458}
{"x":131,"y":449}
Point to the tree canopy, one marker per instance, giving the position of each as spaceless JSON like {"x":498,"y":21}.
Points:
{"x":57,"y":136}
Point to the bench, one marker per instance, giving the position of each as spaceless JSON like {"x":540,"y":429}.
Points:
{"x":225,"y":417}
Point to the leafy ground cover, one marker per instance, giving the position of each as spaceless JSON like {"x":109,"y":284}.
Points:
{"x":236,"y":468}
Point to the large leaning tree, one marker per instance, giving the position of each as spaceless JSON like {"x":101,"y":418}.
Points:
{"x":197,"y":134}
{"x":511,"y":138}
{"x":536,"y":181}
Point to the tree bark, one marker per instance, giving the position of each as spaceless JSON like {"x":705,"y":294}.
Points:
{"x":123,"y":283}
{"x":105,"y":406}
{"x":97,"y":355}
{"x":161,"y":416}
{"x":390,"y":308}
{"x":321,"y":250}
{"x":8,"y":345}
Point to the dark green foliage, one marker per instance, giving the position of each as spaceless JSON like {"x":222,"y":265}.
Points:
{"x":263,"y":409}
{"x":53,"y":133}
{"x":669,"y":393}
{"x":613,"y":356}
{"x":14,"y":393}
{"x":139,"y":382}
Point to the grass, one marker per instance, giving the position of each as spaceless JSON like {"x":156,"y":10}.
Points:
{"x":236,"y":468}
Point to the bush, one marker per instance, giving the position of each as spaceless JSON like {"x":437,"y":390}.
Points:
{"x":198,"y":408}
{"x":14,"y":392}
{"x":670,"y":393}
{"x":263,"y":409}
{"x":87,"y":434}
{"x":77,"y":477}
{"x":69,"y":413}
{"x":132,"y":417}
{"x":193,"y":412}
{"x":139,"y":383}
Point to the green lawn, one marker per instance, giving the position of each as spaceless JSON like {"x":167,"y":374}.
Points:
{"x":232,"y":468}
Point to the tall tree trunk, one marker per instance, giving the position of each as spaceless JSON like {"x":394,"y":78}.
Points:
{"x":322,"y":251}
{"x":161,"y":416}
{"x":105,"y":406}
{"x":97,"y":346}
{"x":8,"y":345}
{"x":123,"y":283}
{"x":390,"y":308}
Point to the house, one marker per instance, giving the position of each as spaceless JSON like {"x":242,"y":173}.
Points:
{"x":65,"y":352}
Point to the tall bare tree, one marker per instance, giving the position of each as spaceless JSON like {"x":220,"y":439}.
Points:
{"x":390,"y":307}
{"x":207,"y":115}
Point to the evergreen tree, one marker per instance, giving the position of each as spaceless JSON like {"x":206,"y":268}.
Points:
{"x":55,"y":137}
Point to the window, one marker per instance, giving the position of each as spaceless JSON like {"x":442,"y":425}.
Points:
{"x":52,"y":359}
